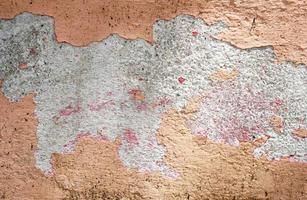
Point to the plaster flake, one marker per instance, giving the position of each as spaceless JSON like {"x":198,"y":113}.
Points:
{"x":120,"y":88}
{"x":251,"y":23}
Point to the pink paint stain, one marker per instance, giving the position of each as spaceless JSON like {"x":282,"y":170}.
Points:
{"x":70,"y":146}
{"x":277,"y":105}
{"x":101,"y":105}
{"x":278,"y":102}
{"x":195,"y":33}
{"x":130,"y":137}
{"x":181,"y":80}
{"x":235,"y":114}
{"x":109,"y":93}
{"x":141,"y":107}
{"x":83,"y":135}
{"x":69,"y":110}
{"x":162,"y":102}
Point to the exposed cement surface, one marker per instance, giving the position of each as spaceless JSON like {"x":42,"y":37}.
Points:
{"x":20,"y":179}
{"x":281,"y":24}
{"x":120,"y":88}
{"x":208,"y":170}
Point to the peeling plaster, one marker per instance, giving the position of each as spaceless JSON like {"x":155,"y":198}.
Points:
{"x":251,"y":23}
{"x":119,"y":88}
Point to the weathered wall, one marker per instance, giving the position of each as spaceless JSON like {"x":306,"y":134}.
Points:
{"x":198,"y":108}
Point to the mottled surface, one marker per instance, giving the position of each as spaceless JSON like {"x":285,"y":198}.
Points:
{"x":207,"y":170}
{"x":121,"y":88}
{"x":95,"y":171}
{"x":185,"y":117}
{"x":19,"y":178}
{"x":251,"y":23}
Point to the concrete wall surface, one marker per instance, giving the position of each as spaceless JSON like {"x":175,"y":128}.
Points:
{"x":153,"y":99}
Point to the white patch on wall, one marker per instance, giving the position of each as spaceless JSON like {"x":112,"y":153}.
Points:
{"x":120,"y":88}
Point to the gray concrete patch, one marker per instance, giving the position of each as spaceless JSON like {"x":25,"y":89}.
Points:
{"x":120,"y":88}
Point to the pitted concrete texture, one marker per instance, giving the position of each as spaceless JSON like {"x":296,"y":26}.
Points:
{"x":281,"y":24}
{"x":94,"y":170}
{"x":119,"y":88}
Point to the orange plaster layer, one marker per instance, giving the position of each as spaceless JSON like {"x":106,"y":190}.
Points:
{"x":207,"y":170}
{"x":300,"y":133}
{"x":19,"y":178}
{"x":277,"y":123}
{"x":224,"y":75}
{"x":94,"y":171}
{"x":281,"y":24}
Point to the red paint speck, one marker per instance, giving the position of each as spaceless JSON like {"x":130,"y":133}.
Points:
{"x":68,"y":110}
{"x":278,"y":102}
{"x":181,"y":80}
{"x":136,"y":94}
{"x":141,"y":107}
{"x":162,"y":102}
{"x":33,"y":51}
{"x":23,"y":65}
{"x":277,"y":105}
{"x":195,"y":33}
{"x":130,"y":137}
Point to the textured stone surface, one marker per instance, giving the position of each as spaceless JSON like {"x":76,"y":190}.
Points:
{"x":207,"y":170}
{"x":120,"y":88}
{"x":19,"y":178}
{"x":185,"y":117}
{"x":95,"y":171}
{"x":251,"y":23}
